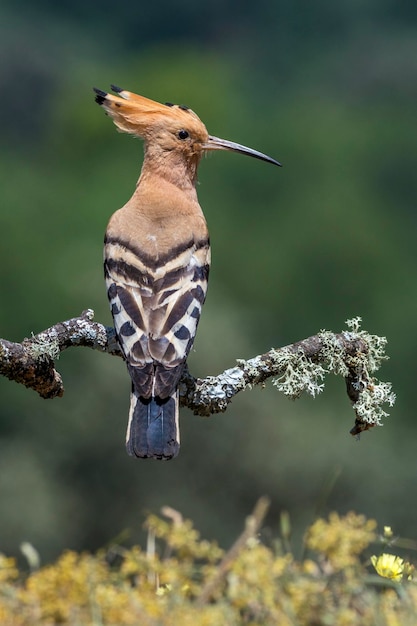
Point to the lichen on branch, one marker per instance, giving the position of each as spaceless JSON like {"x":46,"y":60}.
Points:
{"x":301,"y":367}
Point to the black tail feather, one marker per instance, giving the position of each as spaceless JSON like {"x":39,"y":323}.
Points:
{"x":153,"y":429}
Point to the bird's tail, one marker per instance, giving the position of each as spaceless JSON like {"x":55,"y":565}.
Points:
{"x":153,"y":428}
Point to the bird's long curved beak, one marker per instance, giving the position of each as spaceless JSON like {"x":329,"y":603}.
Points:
{"x":215,"y":143}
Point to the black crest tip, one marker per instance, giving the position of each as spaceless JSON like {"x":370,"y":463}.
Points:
{"x":100,"y":95}
{"x":116,"y":89}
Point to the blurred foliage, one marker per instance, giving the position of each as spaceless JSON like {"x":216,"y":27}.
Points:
{"x":182,"y":579}
{"x":328,"y":89}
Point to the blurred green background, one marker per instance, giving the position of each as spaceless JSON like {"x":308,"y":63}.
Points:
{"x":327,"y":88}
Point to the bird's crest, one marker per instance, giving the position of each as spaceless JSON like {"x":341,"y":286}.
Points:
{"x":140,"y":116}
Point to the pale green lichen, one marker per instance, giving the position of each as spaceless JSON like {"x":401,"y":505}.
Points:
{"x":333,"y":354}
{"x":354,"y":324}
{"x":369,"y":405}
{"x":376,"y":345}
{"x":298,"y":374}
{"x":373,"y":394}
{"x":44,"y":346}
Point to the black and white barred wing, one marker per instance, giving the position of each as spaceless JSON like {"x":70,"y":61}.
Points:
{"x":156,"y":308}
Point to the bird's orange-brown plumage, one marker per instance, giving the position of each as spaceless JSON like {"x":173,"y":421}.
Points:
{"x":157,"y":259}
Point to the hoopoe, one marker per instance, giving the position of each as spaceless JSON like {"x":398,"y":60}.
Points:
{"x":157,"y":260}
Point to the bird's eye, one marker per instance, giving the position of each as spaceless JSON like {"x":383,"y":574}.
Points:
{"x":183,"y":134}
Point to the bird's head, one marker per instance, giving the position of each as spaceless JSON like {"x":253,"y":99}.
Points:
{"x":166,"y":128}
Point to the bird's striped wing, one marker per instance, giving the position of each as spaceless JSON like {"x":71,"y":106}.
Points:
{"x":156,"y":307}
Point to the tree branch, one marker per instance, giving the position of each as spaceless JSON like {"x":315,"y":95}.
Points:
{"x":353,"y":354}
{"x":31,"y":362}
{"x":252,"y":526}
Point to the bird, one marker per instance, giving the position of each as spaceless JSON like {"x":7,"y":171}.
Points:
{"x":157,"y":261}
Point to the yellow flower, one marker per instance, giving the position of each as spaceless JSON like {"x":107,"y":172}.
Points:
{"x":163,"y":589}
{"x":341,"y":539}
{"x":389,"y":566}
{"x":388,"y":532}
